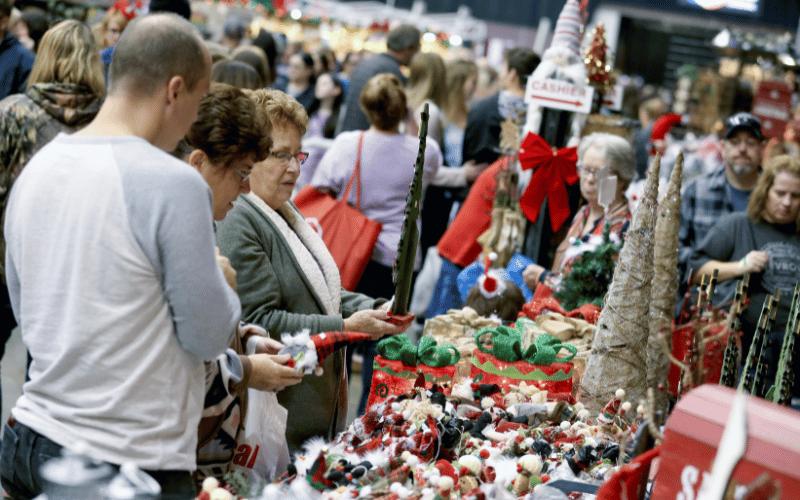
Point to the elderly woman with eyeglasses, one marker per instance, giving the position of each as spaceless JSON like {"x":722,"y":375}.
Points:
{"x":599,"y":155}
{"x":287,"y":279}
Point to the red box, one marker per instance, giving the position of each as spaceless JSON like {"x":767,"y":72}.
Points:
{"x":392,"y":378}
{"x":693,"y":433}
{"x":554,"y":378}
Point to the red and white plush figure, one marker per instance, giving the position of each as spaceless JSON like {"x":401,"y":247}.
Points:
{"x":308,"y":352}
{"x":491,"y":283}
{"x":610,"y":410}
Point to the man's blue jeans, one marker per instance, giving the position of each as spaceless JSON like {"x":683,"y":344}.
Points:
{"x":25,"y":450}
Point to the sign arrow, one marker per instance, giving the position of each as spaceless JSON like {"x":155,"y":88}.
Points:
{"x":577,"y":104}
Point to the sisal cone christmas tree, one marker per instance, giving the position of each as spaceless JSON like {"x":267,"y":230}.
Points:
{"x":665,"y":284}
{"x":618,"y":359}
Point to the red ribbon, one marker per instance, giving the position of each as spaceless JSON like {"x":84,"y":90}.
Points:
{"x":553,"y":171}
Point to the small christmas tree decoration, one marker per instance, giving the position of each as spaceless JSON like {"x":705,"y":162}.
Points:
{"x":751,"y":375}
{"x":590,"y":273}
{"x":665,"y":282}
{"x":618,"y":358}
{"x":409,"y":236}
{"x":595,"y":59}
{"x":785,"y":378}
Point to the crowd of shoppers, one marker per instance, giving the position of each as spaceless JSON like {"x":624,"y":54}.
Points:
{"x":150,"y":236}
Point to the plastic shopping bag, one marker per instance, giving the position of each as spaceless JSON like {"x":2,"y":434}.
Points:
{"x":263,"y":453}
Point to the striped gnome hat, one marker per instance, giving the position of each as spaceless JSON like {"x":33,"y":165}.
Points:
{"x":568,"y":28}
{"x":610,"y":411}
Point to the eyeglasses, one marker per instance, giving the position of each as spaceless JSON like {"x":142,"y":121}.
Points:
{"x":285,"y":157}
{"x":590,"y":171}
{"x":243,"y":175}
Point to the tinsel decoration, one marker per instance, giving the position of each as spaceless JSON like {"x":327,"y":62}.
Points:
{"x":595,"y":59}
{"x":590,"y":276}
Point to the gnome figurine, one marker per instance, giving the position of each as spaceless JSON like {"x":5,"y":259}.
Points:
{"x":561,"y":61}
{"x":613,"y":412}
{"x":527,"y":467}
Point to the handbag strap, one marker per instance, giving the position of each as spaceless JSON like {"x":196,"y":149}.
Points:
{"x":356,"y":175}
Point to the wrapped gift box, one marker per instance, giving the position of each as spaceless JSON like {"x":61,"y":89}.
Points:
{"x":393,"y":378}
{"x":554,"y":378}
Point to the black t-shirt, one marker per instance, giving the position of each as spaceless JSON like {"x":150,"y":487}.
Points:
{"x":733,"y":238}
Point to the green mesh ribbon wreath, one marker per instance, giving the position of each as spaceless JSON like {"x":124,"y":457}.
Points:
{"x":507,"y":346}
{"x":400,"y":348}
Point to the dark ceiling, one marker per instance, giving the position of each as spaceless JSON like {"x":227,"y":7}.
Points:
{"x":772,"y":13}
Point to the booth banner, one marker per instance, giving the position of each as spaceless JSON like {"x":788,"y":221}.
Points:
{"x":393,"y":378}
{"x":554,"y":378}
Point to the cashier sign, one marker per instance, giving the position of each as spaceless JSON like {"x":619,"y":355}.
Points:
{"x":559,"y":94}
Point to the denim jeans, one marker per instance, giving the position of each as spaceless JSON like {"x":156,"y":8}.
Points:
{"x":25,"y":450}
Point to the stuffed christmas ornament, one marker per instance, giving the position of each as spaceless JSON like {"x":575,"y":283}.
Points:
{"x":493,"y":295}
{"x":308,"y":352}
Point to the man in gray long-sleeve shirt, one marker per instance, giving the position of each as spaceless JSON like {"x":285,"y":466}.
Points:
{"x":113,"y":278}
{"x":401,"y":46}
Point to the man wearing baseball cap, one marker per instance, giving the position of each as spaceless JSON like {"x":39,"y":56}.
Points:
{"x":725,"y":190}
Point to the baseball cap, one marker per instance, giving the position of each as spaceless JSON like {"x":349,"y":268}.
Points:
{"x":743,"y":121}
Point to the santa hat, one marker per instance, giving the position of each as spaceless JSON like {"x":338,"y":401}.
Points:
{"x":446,"y":469}
{"x":610,"y":411}
{"x":491,"y":282}
{"x":663,"y":125}
{"x":568,"y":28}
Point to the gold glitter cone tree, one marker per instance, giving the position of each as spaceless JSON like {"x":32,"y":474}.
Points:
{"x":595,"y":59}
{"x":665,"y":284}
{"x":618,"y":359}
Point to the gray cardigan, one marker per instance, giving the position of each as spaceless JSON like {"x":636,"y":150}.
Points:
{"x":276,"y":295}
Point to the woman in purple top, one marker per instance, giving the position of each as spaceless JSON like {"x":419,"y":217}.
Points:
{"x":387,"y":169}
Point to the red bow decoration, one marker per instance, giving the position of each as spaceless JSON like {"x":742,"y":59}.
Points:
{"x":552,"y":172}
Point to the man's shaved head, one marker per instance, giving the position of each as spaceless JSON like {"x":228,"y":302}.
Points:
{"x":153,"y":49}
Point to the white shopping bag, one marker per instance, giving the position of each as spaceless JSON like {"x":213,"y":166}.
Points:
{"x":263,"y":452}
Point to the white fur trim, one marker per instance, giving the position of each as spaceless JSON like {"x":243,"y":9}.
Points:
{"x":501,"y":284}
{"x":310,"y":251}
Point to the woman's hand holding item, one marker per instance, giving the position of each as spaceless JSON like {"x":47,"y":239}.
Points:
{"x":267,"y":345}
{"x":270,"y":373}
{"x":531,"y":274}
{"x":375,"y":322}
{"x":754,"y":262}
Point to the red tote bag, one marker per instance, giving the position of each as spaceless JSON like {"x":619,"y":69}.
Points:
{"x":349,"y":235}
